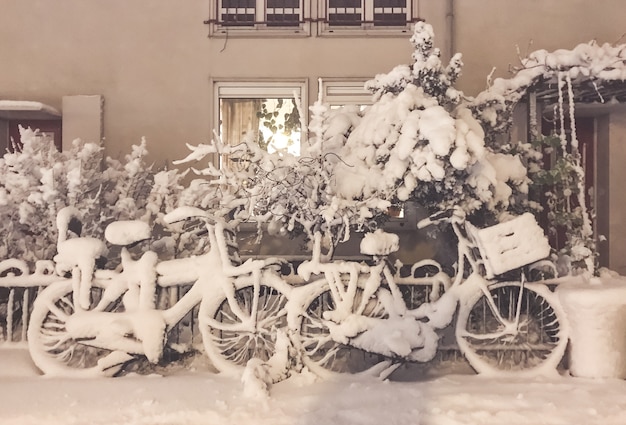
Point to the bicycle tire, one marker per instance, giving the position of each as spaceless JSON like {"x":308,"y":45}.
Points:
{"x":51,"y":348}
{"x":230,"y":338}
{"x":537,"y":346}
{"x":319,"y":352}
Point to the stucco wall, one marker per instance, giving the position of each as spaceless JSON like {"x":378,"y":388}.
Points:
{"x":153,"y":62}
{"x":148,"y":60}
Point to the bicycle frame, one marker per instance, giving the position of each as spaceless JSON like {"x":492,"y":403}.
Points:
{"x":141,"y":328}
{"x":476,"y":280}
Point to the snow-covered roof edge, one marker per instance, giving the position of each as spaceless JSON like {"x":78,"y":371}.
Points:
{"x":585,"y":62}
{"x":26,"y":105}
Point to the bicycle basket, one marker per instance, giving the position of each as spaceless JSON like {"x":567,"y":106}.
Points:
{"x":511,"y":244}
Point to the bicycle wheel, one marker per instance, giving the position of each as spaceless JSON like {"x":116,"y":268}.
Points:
{"x":53,"y":350}
{"x":243,"y":326}
{"x":535,"y":345}
{"x":320,"y":352}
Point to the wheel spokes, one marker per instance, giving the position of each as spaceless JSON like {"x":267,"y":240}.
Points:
{"x":526,"y":334}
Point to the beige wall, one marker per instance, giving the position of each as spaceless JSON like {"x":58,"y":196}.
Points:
{"x":4,"y":135}
{"x":149,"y":61}
{"x":616,"y":230}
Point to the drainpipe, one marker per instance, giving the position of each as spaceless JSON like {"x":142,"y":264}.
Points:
{"x":451,"y":46}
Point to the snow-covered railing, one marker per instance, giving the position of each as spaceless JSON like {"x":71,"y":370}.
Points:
{"x":18,"y":288}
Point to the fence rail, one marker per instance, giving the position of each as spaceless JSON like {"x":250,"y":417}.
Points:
{"x":19,"y":287}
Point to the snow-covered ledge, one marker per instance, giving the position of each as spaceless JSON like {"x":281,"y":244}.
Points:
{"x":596,"y":310}
{"x":25,"y":109}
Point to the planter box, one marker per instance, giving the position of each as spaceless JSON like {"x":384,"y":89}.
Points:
{"x":596,"y":312}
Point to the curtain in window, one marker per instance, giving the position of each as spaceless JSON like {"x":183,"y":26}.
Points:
{"x":239,"y":118}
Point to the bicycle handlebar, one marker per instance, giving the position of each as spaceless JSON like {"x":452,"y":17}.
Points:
{"x":452,"y":215}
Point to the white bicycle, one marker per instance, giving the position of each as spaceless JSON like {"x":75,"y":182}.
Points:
{"x":345,"y":316}
{"x":98,"y":320}
{"x":360,"y":314}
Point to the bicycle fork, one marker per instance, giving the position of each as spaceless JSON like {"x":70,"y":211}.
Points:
{"x":476,"y":282}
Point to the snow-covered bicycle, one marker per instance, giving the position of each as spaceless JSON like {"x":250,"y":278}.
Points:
{"x":361,"y":314}
{"x":97,"y":320}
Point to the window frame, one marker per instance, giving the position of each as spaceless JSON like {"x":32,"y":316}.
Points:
{"x":345,"y":91}
{"x":259,"y":89}
{"x":367,"y":26}
{"x":260,"y":27}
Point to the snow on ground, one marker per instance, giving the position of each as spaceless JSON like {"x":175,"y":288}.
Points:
{"x":202,"y":397}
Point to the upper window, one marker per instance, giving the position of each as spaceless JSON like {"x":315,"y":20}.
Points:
{"x":390,"y":15}
{"x":259,"y":16}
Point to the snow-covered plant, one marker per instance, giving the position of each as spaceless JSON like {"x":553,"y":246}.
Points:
{"x":37,"y":181}
{"x":559,"y":186}
{"x":522,"y":164}
{"x":288,"y":194}
{"x":419,"y":141}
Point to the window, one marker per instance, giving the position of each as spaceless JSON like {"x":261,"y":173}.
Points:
{"x":339,"y":92}
{"x":268,"y":110}
{"x":243,"y":17}
{"x":390,"y":15}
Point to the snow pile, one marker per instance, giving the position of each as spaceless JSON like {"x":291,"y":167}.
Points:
{"x":28,"y":105}
{"x":258,"y":375}
{"x":200,"y":398}
{"x":597,"y":313}
{"x":380,"y":243}
{"x":127,"y":232}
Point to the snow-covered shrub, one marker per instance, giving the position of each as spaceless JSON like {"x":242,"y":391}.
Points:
{"x":419,"y":141}
{"x":560,"y":186}
{"x":38,"y":180}
{"x":287,"y":194}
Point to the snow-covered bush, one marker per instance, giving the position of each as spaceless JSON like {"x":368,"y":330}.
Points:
{"x":37,"y":181}
{"x":419,"y":141}
{"x":561,"y":187}
{"x":283,"y":193}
